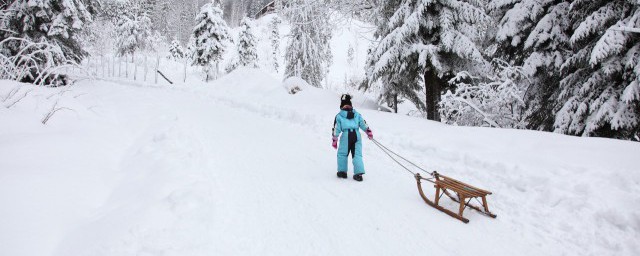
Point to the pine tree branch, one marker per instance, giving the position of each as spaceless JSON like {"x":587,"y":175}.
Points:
{"x":626,"y":29}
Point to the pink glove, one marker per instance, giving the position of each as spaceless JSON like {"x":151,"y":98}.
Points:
{"x":369,"y":134}
{"x":334,"y":144}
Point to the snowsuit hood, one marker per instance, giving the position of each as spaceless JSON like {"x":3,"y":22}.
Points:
{"x":348,"y":113}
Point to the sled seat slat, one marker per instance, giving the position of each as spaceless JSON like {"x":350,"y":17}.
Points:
{"x":463,"y":195}
{"x":461,"y":187}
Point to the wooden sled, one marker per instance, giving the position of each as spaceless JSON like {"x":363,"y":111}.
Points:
{"x":464,"y":194}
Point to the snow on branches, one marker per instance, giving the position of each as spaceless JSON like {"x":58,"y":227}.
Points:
{"x":133,"y":31}
{"x":209,"y":35}
{"x":308,"y":54}
{"x":421,"y":42}
{"x":274,"y":37}
{"x":39,"y":63}
{"x":247,"y":52}
{"x":176,"y":51}
{"x":490,"y":100}
{"x":599,"y":95}
{"x":40,"y":37}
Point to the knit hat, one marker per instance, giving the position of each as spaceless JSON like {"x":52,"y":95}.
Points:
{"x":345,"y":100}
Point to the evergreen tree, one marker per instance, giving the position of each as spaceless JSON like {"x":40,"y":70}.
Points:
{"x":209,"y":35}
{"x":133,"y":28}
{"x":175,"y":49}
{"x":535,"y":34}
{"x":390,"y":90}
{"x":274,"y":37}
{"x":57,"y":22}
{"x":247,"y":52}
{"x":308,"y":54}
{"x":600,"y":94}
{"x":422,"y":44}
{"x":156,"y":42}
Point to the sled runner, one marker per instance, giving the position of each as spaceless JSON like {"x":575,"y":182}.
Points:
{"x":464,"y":194}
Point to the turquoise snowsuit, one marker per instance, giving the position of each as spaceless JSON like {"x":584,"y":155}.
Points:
{"x":350,"y":141}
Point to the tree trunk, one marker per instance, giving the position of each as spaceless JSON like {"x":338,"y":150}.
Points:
{"x":433,"y":85}
{"x":395,"y":103}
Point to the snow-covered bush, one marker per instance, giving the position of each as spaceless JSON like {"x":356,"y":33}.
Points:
{"x":38,"y":63}
{"x":495,"y":100}
{"x":175,"y":50}
{"x":295,"y":84}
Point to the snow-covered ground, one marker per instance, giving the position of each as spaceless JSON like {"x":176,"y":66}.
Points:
{"x":240,"y":167}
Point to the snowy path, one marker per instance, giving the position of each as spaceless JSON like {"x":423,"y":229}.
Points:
{"x":161,"y":171}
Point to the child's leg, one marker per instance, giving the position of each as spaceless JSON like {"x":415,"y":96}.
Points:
{"x":358,"y":164}
{"x":343,"y":153}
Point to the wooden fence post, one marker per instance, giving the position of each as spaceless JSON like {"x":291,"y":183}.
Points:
{"x":102,"y":64}
{"x":156,"y":70}
{"x":146,"y":67}
{"x":184,"y":77}
{"x":135,"y":67}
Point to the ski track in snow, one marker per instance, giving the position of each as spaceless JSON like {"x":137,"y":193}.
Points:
{"x":203,"y":170}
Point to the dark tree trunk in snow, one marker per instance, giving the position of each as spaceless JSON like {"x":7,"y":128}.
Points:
{"x":433,"y":86}
{"x":395,"y":103}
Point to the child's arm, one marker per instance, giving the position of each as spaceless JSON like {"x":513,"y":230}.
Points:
{"x":362,"y":123}
{"x":336,"y":130}
{"x":365,"y":127}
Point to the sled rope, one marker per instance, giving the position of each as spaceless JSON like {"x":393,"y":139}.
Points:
{"x":389,"y":152}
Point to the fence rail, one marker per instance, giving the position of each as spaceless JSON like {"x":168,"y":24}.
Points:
{"x":136,"y":67}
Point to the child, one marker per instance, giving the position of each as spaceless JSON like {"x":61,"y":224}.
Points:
{"x":347,"y":123}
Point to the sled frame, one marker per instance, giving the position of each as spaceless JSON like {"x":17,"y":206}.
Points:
{"x":464,"y":194}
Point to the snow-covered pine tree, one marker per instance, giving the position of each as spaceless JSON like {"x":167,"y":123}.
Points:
{"x":423,"y":43}
{"x":600,"y":95}
{"x":534,"y":34}
{"x":209,"y":35}
{"x":133,"y":28}
{"x":390,"y":90}
{"x":175,"y":50}
{"x":247,"y":52}
{"x":308,"y":54}
{"x":55,"y":21}
{"x":274,"y":38}
{"x":99,"y":37}
{"x":350,"y":54}
{"x":156,"y":42}
{"x":190,"y":51}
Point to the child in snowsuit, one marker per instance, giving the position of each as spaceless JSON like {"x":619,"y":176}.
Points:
{"x":347,"y":123}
